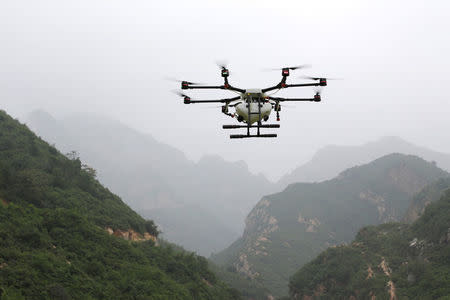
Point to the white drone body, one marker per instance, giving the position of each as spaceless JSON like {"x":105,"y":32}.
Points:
{"x":259,"y":110}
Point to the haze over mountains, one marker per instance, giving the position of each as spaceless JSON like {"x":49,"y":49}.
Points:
{"x":201,"y":206}
{"x":329,"y":161}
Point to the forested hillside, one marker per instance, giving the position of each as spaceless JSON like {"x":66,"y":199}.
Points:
{"x":64,"y":236}
{"x":389,"y":261}
{"x":288,"y":229}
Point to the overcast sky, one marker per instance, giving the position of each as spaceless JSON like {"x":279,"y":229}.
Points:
{"x":111,"y":57}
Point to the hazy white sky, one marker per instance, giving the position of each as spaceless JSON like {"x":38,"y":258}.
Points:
{"x":111,"y":57}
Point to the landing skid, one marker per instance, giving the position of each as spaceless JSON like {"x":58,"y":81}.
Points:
{"x":248,"y":135}
{"x":242,"y":136}
{"x":252,"y":126}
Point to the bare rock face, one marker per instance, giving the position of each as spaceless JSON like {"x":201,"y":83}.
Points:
{"x":131,"y":235}
{"x":259,"y":225}
{"x":243,"y":267}
{"x":311,"y":224}
{"x":259,"y":220}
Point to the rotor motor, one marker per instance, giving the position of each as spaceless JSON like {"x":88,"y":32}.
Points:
{"x":225,"y":73}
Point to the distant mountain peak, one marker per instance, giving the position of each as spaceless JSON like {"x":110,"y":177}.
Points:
{"x":331,"y":160}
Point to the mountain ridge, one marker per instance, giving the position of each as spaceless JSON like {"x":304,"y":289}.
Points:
{"x":287,"y":229}
{"x":330,"y":160}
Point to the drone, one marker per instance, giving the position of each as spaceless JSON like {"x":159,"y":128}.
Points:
{"x":253,"y":106}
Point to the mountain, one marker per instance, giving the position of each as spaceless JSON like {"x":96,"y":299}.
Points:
{"x":201,"y":206}
{"x":389,"y":261}
{"x":286,"y":230}
{"x":329,"y":161}
{"x":65,"y":236}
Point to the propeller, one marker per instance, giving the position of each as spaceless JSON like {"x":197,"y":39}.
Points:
{"x":290,"y":68}
{"x":181,"y":81}
{"x":318,"y":91}
{"x":317,"y":97}
{"x":222,"y":64}
{"x":181,"y":94}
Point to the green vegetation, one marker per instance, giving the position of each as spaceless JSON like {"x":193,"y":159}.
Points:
{"x":287,"y":230}
{"x":409,"y":261}
{"x":53,"y":238}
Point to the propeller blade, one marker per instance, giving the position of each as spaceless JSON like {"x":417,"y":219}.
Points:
{"x":318,"y":91}
{"x":290,"y":68}
{"x":299,"y":67}
{"x":222,"y":64}
{"x":188,"y":82}
{"x":180,"y":94}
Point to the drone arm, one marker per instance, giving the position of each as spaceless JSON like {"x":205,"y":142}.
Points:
{"x":302,"y":84}
{"x":316,"y":98}
{"x":203,"y":87}
{"x":226,"y":100}
{"x":218,"y":87}
{"x":283,"y":85}
{"x":275,"y":87}
{"x":232,"y":88}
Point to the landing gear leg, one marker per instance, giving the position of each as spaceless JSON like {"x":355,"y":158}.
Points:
{"x":249,"y":115}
